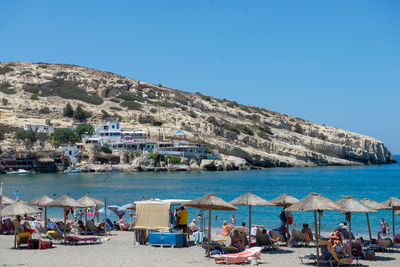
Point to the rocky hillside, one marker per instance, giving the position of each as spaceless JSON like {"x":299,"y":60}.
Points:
{"x":36,"y":91}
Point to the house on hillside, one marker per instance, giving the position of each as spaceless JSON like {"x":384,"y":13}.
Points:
{"x":71,"y":151}
{"x":39,"y":128}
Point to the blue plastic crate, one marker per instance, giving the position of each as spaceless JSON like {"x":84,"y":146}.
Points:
{"x":166,"y":238}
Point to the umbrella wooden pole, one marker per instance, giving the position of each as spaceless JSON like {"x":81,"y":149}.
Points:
{"x":209,"y":233}
{"x":249,"y":227}
{"x":1,"y":201}
{"x":316,"y":235}
{"x":350,"y":223}
{"x":15,"y":231}
{"x":369,"y":227}
{"x":85,"y":219}
{"x":393,"y":220}
{"x":105,"y":216}
{"x":319,"y":223}
{"x":65,"y":224}
{"x":45,"y":219}
{"x":288,"y":232}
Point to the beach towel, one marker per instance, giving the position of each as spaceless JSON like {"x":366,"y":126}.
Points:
{"x":238,"y":258}
{"x":198,"y":237}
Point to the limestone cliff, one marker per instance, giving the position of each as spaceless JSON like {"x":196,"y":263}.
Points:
{"x":262,"y":137}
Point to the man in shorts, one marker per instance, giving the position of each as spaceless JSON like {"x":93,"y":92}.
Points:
{"x":183,"y":216}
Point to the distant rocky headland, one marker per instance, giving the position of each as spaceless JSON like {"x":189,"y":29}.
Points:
{"x":244,"y":136}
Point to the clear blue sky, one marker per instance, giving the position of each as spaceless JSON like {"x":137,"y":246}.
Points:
{"x":332,"y":62}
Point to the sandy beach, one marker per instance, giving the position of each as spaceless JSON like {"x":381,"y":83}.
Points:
{"x":119,"y":250}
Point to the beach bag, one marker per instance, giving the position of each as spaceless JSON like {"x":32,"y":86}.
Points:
{"x":370,"y":255}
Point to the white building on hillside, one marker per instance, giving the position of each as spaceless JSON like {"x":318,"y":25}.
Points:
{"x":71,"y":151}
{"x":39,"y":128}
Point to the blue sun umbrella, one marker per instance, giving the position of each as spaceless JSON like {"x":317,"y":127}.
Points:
{"x":114,"y":208}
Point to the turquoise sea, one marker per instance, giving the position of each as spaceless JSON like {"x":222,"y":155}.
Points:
{"x":377,"y":182}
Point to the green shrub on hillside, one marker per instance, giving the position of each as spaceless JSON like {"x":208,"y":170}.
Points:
{"x":32,"y":88}
{"x":65,"y":135}
{"x":146,"y":119}
{"x":266,"y":129}
{"x":116,"y":108}
{"x":34,"y":97}
{"x":154,"y":156}
{"x":78,"y":94}
{"x":264,"y":135}
{"x":244,"y":129}
{"x":298,"y":128}
{"x":25,"y":72}
{"x":115,"y":100}
{"x":5,"y":69}
{"x":132,"y":105}
{"x":84,"y":128}
{"x":130,"y":96}
{"x":4,"y":101}
{"x":165,"y":104}
{"x":174,"y":160}
{"x":81,"y":114}
{"x":192,"y":114}
{"x":44,"y":110}
{"x":6,"y":88}
{"x":106,"y":149}
{"x":68,"y":111}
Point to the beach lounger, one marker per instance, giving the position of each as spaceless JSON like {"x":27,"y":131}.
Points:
{"x":91,"y":229}
{"x":55,"y":233}
{"x":298,"y":238}
{"x":23,"y":238}
{"x":347,"y":235}
{"x":264,"y":240}
{"x":73,"y":240}
{"x":276,"y":235}
{"x":39,"y":229}
{"x":239,"y":258}
{"x":8,"y":227}
{"x":331,"y":256}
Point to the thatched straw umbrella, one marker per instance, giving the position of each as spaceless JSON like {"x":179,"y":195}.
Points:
{"x":210,"y":202}
{"x":6,"y":200}
{"x":250,"y":199}
{"x":42,"y":201}
{"x":89,"y":202}
{"x":315,"y":202}
{"x":16,"y":209}
{"x":392,"y":203}
{"x":372,"y":204}
{"x":284,"y":200}
{"x":65,"y":202}
{"x":351,"y":205}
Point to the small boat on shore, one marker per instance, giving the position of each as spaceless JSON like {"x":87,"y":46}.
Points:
{"x":19,"y":171}
{"x":73,"y":171}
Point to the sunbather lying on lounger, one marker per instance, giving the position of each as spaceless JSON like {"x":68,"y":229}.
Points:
{"x":238,"y":240}
{"x":383,"y":242}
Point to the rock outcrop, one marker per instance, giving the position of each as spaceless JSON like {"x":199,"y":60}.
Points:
{"x":248,"y":136}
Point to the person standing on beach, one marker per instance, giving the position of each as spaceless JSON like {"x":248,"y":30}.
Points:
{"x":233,"y":220}
{"x":183,"y":216}
{"x":384,"y":227}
